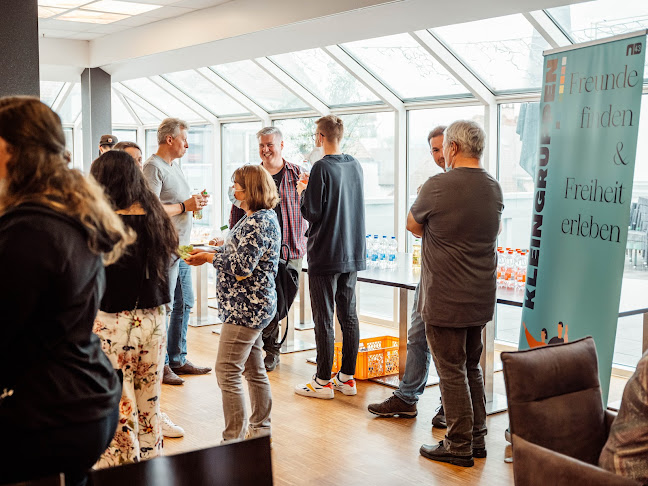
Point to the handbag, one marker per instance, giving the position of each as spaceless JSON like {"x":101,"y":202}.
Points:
{"x":287,"y":284}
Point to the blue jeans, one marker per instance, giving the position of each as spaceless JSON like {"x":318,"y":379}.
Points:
{"x":182,"y":299}
{"x":418,"y":358}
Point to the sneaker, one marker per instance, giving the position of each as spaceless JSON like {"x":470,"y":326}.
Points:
{"x":439,"y":453}
{"x":315,"y":390}
{"x":347,"y":387}
{"x":170,"y":378}
{"x":439,"y":419}
{"x":393,"y":406}
{"x":169,"y":429}
{"x":271,"y":361}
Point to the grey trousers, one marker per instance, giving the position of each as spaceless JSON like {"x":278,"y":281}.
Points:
{"x":240,"y":354}
{"x":456,"y":353}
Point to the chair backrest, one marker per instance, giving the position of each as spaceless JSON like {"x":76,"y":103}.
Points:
{"x":554,"y":398}
{"x":56,"y":480}
{"x":245,"y":463}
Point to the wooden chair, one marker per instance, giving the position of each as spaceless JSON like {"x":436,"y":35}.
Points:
{"x":245,"y":463}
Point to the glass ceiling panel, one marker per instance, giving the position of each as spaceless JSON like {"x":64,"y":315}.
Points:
{"x":603,"y":18}
{"x":505,"y":52}
{"x":71,"y":109}
{"x":201,"y":90}
{"x":259,"y":86}
{"x":49,"y":90}
{"x":147,"y":114}
{"x":405,"y":67}
{"x":151,"y":92}
{"x":337,"y":88}
{"x":120,"y":114}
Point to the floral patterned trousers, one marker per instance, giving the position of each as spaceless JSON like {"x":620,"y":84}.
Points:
{"x":135,"y":343}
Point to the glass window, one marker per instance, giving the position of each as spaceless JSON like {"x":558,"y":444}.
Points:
{"x":120,"y":114}
{"x":298,"y":140}
{"x":49,"y":90}
{"x":421,"y":165}
{"x":151,"y":92}
{"x":198,"y":166}
{"x":194,"y":85}
{"x":603,"y":18}
{"x":505,"y":52}
{"x":125,"y":135}
{"x":71,"y":109}
{"x":336,"y":87}
{"x":369,"y":138}
{"x":147,"y":113}
{"x":259,"y":86}
{"x":239,"y":147}
{"x":69,"y":142}
{"x":405,"y":67}
{"x":150,"y":143}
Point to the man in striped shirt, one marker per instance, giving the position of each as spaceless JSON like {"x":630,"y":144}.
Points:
{"x":293,"y":225}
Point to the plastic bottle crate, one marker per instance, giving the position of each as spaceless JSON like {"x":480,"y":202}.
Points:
{"x":380,"y":358}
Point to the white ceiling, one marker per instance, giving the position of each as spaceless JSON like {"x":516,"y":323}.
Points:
{"x":53,"y":27}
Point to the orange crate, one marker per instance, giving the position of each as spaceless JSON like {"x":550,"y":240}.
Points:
{"x":379,"y":359}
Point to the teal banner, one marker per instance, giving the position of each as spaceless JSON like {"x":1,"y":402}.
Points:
{"x":589,"y":120}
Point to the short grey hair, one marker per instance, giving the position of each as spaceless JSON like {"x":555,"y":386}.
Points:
{"x":436,"y":132}
{"x":172,"y":127}
{"x":468,"y":136}
{"x":269,"y":131}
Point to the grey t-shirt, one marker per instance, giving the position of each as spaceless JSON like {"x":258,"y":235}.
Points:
{"x":168,"y":182}
{"x":460,"y":211}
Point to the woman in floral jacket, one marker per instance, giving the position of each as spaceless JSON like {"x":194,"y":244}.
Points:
{"x":131,"y":320}
{"x":247,"y":266}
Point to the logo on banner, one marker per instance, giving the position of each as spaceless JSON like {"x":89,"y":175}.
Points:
{"x":633,"y":49}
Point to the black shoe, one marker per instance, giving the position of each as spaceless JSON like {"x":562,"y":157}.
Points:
{"x":439,"y":419}
{"x":479,"y":452}
{"x":507,"y":435}
{"x":271,"y":361}
{"x":393,"y":406}
{"x":439,"y":453}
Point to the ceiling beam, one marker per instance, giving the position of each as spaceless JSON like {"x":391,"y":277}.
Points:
{"x":456,"y":68}
{"x":183,"y":98}
{"x":547,"y":28}
{"x":130,"y":94}
{"x":365,"y":77}
{"x":235,"y":94}
{"x":291,"y":85}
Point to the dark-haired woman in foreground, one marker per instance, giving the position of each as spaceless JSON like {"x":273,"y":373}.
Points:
{"x":131,"y":322}
{"x":59,"y":394}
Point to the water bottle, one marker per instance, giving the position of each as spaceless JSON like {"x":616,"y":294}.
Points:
{"x":416,"y":253}
{"x":393,"y":249}
{"x":500,"y":267}
{"x":383,"y":252}
{"x":509,"y":274}
{"x":374,"y":251}
{"x":520,"y":276}
{"x":368,"y":249}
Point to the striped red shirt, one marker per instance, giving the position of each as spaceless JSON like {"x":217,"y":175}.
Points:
{"x":293,"y":224}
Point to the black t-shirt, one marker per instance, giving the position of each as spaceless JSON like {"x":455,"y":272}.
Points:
{"x":127,"y":281}
{"x":278,"y":177}
{"x":49,"y":295}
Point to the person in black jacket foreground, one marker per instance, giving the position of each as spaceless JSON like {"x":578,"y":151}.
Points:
{"x":131,"y":320}
{"x":332,"y":201}
{"x":59,"y":394}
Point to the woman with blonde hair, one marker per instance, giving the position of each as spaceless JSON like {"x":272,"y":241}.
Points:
{"x":247,"y":266}
{"x":59,"y":394}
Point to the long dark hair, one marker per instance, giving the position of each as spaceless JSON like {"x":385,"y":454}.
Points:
{"x":37,"y":172}
{"x":125,"y":186}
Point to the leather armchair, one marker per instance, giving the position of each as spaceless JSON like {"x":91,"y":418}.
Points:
{"x":557,"y":421}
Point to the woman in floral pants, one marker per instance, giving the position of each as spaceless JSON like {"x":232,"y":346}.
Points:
{"x":131,"y":321}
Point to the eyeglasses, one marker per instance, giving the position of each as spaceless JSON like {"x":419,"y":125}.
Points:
{"x":314,"y":136}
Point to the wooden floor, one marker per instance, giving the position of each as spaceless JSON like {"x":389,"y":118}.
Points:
{"x":334,"y":442}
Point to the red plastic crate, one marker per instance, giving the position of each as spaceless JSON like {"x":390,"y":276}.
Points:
{"x":379,"y":359}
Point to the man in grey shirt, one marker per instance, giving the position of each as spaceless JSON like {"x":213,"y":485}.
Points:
{"x":167,"y":181}
{"x":458,"y":215}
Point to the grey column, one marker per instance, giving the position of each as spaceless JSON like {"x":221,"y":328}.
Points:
{"x":96,"y":115}
{"x":19,"y":48}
